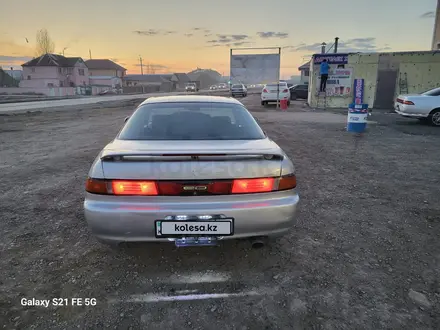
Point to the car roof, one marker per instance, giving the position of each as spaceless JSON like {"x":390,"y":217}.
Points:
{"x":190,"y":98}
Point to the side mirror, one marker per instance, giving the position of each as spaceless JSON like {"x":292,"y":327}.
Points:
{"x":126,"y":118}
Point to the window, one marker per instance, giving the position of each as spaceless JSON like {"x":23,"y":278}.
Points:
{"x":306,"y":73}
{"x":341,"y":66}
{"x":61,"y":83}
{"x":59,"y":70}
{"x":432,"y":92}
{"x":237,"y":86}
{"x":191,"y":121}
{"x":33,"y":70}
{"x":50,"y":85}
{"x":81,"y":72}
{"x":69,"y":70}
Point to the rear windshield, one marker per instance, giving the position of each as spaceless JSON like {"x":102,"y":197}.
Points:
{"x":276,"y":86}
{"x":237,"y":86}
{"x":432,"y":92}
{"x":191,"y":121}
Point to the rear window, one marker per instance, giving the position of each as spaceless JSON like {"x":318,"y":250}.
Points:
{"x":191,"y":121}
{"x":276,"y":86}
{"x":432,"y":92}
{"x":237,"y":86}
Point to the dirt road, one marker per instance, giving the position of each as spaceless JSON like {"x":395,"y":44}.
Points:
{"x":365,"y":253}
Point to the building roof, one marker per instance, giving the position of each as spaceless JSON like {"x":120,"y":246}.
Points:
{"x":103,"y":64}
{"x":103,"y":77}
{"x":182,"y":77}
{"x":305,"y":66}
{"x":191,"y":98}
{"x":53,"y":60}
{"x":152,"y":78}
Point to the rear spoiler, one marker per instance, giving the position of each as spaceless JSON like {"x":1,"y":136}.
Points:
{"x":189,"y":156}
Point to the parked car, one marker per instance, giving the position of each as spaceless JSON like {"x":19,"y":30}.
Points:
{"x":213,"y":87}
{"x":299,"y":91}
{"x":191,"y":170}
{"x":238,"y":90}
{"x":424,"y":106}
{"x":270,"y":91}
{"x":191,"y":87}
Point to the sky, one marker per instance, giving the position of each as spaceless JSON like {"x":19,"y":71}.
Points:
{"x":179,"y":36}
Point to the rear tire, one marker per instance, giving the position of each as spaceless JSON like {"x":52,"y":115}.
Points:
{"x":434,"y":117}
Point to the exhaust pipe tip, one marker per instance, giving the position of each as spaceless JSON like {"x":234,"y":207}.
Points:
{"x":258,"y":242}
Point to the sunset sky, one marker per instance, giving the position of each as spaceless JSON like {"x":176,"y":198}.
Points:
{"x":178,"y":36}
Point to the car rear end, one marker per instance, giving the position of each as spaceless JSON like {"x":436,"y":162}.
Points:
{"x":274,"y":93}
{"x":191,"y":88}
{"x":412,"y":106}
{"x":200,"y":190}
{"x":238,"y":90}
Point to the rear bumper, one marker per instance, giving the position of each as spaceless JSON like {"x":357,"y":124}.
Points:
{"x":131,"y":219}
{"x":409,"y":111}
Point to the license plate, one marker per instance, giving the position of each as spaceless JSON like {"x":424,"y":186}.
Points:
{"x":193,"y":228}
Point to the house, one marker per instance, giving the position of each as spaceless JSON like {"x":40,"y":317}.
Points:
{"x":103,"y":72}
{"x":51,"y":70}
{"x":180,"y":80}
{"x":104,"y":67}
{"x":305,"y":72}
{"x":205,"y":78}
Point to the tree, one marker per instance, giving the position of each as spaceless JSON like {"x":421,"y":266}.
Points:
{"x":45,"y":44}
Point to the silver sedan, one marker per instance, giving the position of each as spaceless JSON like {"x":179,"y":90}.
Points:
{"x":192,"y":170}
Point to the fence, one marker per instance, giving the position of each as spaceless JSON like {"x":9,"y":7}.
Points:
{"x":54,"y":91}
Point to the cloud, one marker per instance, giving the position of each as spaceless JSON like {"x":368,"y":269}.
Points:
{"x":188,"y":35}
{"x":355,"y":45}
{"x":153,"y":32}
{"x":270,"y":34}
{"x":428,"y":14}
{"x":153,"y":66}
{"x":8,"y":58}
{"x":228,"y":40}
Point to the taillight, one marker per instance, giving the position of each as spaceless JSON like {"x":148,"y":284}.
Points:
{"x":265,"y":91}
{"x":182,"y":188}
{"x":399,"y":100}
{"x":287,"y":182}
{"x":247,"y":186}
{"x":285,"y":91}
{"x":141,"y":188}
{"x":408,"y":102}
{"x":95,"y":186}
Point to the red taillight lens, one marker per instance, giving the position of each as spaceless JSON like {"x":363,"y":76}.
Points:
{"x":265,"y":91}
{"x":96,"y":186}
{"x":399,"y":100}
{"x":141,"y":188}
{"x":285,"y":91}
{"x":247,"y":186}
{"x":408,"y":102}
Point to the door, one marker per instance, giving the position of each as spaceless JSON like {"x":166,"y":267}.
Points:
{"x":303,"y":91}
{"x":385,"y":89}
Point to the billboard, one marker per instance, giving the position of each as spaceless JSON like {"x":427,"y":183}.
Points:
{"x":255,"y":69}
{"x":339,"y":82}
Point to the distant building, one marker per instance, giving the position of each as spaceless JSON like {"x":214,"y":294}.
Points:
{"x":16,"y":74}
{"x":104,"y":67}
{"x":384,"y":75}
{"x":51,"y":70}
{"x":305,"y":72}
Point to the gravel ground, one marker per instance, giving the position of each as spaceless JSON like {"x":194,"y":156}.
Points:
{"x":364,"y":254}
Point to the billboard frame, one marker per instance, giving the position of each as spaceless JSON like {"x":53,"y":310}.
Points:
{"x":259,"y":48}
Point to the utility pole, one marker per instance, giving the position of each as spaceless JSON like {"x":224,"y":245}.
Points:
{"x":336,"y":44}
{"x":90,"y":54}
{"x":142,"y":69}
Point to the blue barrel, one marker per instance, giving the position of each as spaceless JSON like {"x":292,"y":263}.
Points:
{"x":357,"y":118}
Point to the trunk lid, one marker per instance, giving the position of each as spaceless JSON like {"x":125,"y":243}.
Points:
{"x":191,"y":160}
